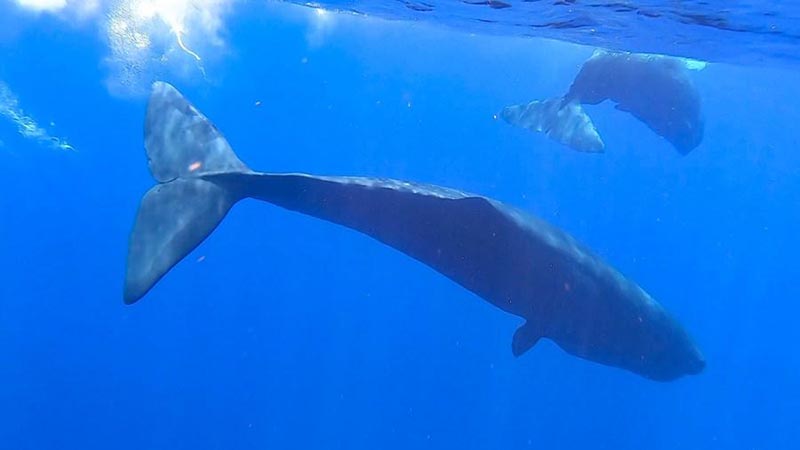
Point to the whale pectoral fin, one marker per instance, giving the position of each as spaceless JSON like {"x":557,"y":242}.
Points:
{"x":525,"y":338}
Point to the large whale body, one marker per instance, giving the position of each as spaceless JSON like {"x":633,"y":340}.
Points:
{"x":655,"y":89}
{"x":517,"y":262}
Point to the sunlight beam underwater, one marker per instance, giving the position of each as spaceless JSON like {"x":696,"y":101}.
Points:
{"x":517,"y":262}
{"x":147,"y":37}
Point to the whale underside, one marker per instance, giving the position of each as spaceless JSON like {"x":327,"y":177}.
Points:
{"x":511,"y":259}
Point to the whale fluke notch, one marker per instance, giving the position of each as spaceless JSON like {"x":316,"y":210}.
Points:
{"x":525,"y":338}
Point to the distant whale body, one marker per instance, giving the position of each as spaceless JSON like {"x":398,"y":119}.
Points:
{"x":655,"y":89}
{"x":516,"y":262}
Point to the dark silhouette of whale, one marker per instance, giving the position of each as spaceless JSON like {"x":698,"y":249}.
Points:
{"x":517,"y":262}
{"x":655,"y":89}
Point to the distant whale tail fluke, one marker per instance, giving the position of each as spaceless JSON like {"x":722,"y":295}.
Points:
{"x":560,"y":119}
{"x":177,"y":214}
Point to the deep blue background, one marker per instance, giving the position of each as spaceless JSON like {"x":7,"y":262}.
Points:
{"x":294,"y":333}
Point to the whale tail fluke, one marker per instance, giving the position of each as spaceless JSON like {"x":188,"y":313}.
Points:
{"x":559,"y":119}
{"x":183,"y":148}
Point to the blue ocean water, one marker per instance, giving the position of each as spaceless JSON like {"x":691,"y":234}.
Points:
{"x":283,"y":331}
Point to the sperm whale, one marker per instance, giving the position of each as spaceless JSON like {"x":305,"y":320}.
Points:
{"x":655,"y":89}
{"x":515,"y":261}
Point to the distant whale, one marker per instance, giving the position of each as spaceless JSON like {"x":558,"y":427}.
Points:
{"x":655,"y":89}
{"x":518,"y":263}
